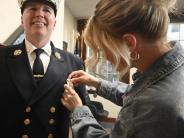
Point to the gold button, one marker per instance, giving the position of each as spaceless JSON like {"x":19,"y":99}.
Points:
{"x":51,"y":121}
{"x":52,"y":109}
{"x":27,"y":121}
{"x":25,"y":136}
{"x":28,"y":109}
{"x":50,"y":135}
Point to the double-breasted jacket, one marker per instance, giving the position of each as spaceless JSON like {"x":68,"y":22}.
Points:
{"x":29,"y":110}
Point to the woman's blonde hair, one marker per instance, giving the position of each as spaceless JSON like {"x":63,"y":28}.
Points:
{"x":113,"y":18}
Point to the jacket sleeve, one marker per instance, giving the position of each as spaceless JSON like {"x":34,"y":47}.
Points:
{"x":113,"y":91}
{"x":84,"y":125}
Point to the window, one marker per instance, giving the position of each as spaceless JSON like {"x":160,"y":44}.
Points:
{"x":19,"y":39}
{"x":176,"y":32}
{"x":104,"y":69}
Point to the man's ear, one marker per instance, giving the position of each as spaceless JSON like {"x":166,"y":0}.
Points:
{"x":130,"y":40}
{"x":54,"y":25}
{"x":21,"y":20}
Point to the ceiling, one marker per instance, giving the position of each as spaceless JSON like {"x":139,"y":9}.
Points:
{"x":81,"y":9}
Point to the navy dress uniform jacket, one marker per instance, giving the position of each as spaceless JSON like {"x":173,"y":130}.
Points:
{"x":28,"y":110}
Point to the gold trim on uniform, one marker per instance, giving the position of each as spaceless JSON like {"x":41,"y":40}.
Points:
{"x":52,"y":109}
{"x":51,"y":121}
{"x":50,"y":135}
{"x":28,"y":109}
{"x":17,"y":52}
{"x":25,"y":136}
{"x":27,"y":121}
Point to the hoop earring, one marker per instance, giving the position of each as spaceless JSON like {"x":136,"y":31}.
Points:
{"x":134,"y":56}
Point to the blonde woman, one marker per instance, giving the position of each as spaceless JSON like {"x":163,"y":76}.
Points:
{"x":132,"y":33}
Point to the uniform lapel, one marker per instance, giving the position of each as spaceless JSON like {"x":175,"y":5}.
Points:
{"x":19,"y":67}
{"x":54,"y":73}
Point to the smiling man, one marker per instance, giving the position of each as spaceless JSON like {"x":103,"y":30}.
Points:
{"x":39,"y":21}
{"x":32,"y":77}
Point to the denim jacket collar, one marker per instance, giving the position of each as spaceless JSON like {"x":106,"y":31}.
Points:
{"x":165,"y":65}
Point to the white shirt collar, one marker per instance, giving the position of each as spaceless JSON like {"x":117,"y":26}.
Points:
{"x":30,"y":47}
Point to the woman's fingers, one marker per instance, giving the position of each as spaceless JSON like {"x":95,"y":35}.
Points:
{"x":63,"y":101}
{"x":69,"y":90}
{"x":67,"y":104}
{"x":75,"y":77}
{"x":70,"y":98}
{"x":75,"y":74}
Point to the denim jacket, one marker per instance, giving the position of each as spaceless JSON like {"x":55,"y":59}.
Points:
{"x":151,"y":108}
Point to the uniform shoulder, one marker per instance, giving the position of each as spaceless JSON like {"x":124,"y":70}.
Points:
{"x":4,"y":49}
{"x":2,"y":45}
{"x":68,"y":54}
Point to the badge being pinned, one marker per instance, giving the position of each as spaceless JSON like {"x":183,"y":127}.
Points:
{"x":69,"y":83}
{"x":17,"y":52}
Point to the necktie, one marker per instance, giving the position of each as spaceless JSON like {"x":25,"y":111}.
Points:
{"x":38,"y":70}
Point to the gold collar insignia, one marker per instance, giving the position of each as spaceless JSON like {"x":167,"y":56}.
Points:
{"x":17,"y":52}
{"x":58,"y":56}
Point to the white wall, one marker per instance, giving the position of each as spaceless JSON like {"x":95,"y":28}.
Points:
{"x":57,"y":36}
{"x":10,"y":18}
{"x":70,"y":29}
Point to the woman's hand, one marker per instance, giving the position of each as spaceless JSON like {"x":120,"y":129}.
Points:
{"x":70,"y":99}
{"x":81,"y":77}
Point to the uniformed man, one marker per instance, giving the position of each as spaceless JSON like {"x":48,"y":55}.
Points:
{"x":32,"y":77}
